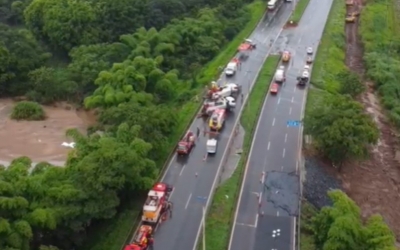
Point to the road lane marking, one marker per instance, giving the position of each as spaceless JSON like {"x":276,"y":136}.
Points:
{"x":285,"y":137}
{"x":269,"y":145}
{"x":273,"y":122}
{"x":183,"y":167}
{"x":284,"y":152}
{"x":243,"y":224}
{"x":277,"y":213}
{"x":292,"y":99}
{"x":290,"y":111}
{"x":256,"y":222}
{"x":247,"y":163}
{"x":282,"y":168}
{"x":294,"y":89}
{"x":188,"y":200}
{"x":279,"y":100}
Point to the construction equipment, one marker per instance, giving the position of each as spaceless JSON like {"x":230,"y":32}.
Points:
{"x":217,"y":120}
{"x":187,"y":143}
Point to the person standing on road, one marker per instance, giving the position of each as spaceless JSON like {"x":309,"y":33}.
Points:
{"x":198,"y":132}
{"x":170,"y":208}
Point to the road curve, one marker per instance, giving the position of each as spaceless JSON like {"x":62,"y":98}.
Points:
{"x":270,"y":222}
{"x":193,"y":177}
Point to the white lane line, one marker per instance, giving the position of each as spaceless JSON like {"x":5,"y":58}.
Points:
{"x":292,"y":99}
{"x":188,"y":200}
{"x":273,"y":122}
{"x":269,"y":145}
{"x":279,"y":100}
{"x":256,"y":222}
{"x":294,"y":89}
{"x":277,"y":213}
{"x":285,"y":138}
{"x":183,"y":167}
{"x":243,"y":224}
{"x":283,"y":153}
{"x":290,"y":111}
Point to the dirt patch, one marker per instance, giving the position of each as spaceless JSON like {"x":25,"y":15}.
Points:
{"x":40,"y":140}
{"x":374,"y":184}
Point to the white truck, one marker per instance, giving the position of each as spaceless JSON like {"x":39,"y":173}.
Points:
{"x":228,"y":103}
{"x":231,"y":69}
{"x":212,"y":146}
{"x":280,"y":74}
{"x":230,"y":89}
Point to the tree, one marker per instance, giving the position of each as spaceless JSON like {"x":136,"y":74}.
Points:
{"x":52,"y":21}
{"x":19,"y":53}
{"x":157,"y":122}
{"x":89,"y":61}
{"x":340,"y":129}
{"x":49,"y":85}
{"x":340,"y":227}
{"x":350,"y":83}
{"x":28,"y":111}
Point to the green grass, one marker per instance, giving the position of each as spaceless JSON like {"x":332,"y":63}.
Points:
{"x":299,"y":10}
{"x":330,"y":58}
{"x":122,"y":223}
{"x":220,"y":215}
{"x":306,"y":236}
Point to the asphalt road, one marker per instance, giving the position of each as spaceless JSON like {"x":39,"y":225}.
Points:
{"x":269,"y":222}
{"x":193,"y":177}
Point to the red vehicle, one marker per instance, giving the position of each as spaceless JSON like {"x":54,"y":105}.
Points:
{"x":143,"y":240}
{"x":274,"y":88}
{"x":186,"y":144}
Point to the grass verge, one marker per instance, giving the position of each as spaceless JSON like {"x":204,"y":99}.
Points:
{"x":308,"y":211}
{"x":298,"y":11}
{"x":330,"y":58}
{"x":219,"y":218}
{"x":114,"y":233}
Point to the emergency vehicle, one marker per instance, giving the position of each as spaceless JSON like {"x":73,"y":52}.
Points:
{"x":143,"y":239}
{"x":210,"y":106}
{"x":286,"y":56}
{"x":232,"y":67}
{"x":229,"y":89}
{"x":187,"y":143}
{"x":217,"y":120}
{"x":156,"y":203}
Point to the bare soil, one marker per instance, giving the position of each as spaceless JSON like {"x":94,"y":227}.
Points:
{"x":375,"y":183}
{"x":40,"y":140}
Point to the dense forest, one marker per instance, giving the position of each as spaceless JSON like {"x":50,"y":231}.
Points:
{"x":137,"y":63}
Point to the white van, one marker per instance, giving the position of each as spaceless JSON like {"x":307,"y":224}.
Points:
{"x":280,"y":74}
{"x":212,"y":146}
{"x":231,"y":69}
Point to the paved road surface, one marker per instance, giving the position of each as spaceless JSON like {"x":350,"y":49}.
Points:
{"x":276,"y":151}
{"x":181,"y":232}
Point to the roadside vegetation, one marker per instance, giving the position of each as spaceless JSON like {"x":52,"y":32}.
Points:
{"x":140,"y":65}
{"x":340,"y":226}
{"x":220,"y":216}
{"x":342,"y":131}
{"x":338,"y":125}
{"x":381,"y":39}
{"x":301,"y":6}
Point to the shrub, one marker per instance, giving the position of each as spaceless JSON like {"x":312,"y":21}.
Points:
{"x":30,"y":111}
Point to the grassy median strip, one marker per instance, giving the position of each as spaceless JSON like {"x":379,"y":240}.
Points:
{"x":113,"y":234}
{"x":220,"y":216}
{"x":299,"y":10}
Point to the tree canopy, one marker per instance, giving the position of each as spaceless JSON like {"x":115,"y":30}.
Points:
{"x":340,"y":129}
{"x":137,"y":63}
{"x":341,"y":227}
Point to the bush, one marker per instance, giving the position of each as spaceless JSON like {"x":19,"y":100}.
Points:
{"x":30,"y":111}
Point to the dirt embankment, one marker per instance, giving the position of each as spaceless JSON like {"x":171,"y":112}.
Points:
{"x":374,"y":184}
{"x":39,"y":140}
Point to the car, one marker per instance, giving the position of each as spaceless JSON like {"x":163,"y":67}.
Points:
{"x":274,"y":88}
{"x":309,"y":60}
{"x":249,"y":41}
{"x":310,"y":50}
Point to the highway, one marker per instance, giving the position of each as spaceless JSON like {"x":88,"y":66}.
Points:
{"x":194,"y":178}
{"x":269,"y":203}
